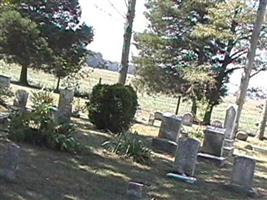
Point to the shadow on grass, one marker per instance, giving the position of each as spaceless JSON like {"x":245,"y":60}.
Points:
{"x":47,"y":175}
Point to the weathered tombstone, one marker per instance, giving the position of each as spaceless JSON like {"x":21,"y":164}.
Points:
{"x":213,"y":145}
{"x":160,"y":145}
{"x":4,"y":81}
{"x":241,"y":135}
{"x":229,"y":122}
{"x":213,"y":141}
{"x":188,"y":119}
{"x":243,"y":171}
{"x":217,"y":124}
{"x":65,"y":105}
{"x":243,"y":174}
{"x":21,"y":98}
{"x":135,"y":191}
{"x":158,"y":116}
{"x":10,"y":161}
{"x":170,"y":127}
{"x":151,"y":120}
{"x":186,"y":156}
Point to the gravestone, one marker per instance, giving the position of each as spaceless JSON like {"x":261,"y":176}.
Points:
{"x":186,"y":156}
{"x":213,"y":141}
{"x":10,"y":161}
{"x":213,"y":146}
{"x":243,"y":172}
{"x":158,"y":116}
{"x":65,"y":105}
{"x":135,"y":191}
{"x":151,"y":120}
{"x":229,"y":123}
{"x":4,"y":81}
{"x":217,"y":124}
{"x":188,"y":119}
{"x":160,"y":145}
{"x":170,"y":127}
{"x":21,"y":98}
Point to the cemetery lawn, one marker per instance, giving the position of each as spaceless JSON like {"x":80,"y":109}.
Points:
{"x":149,"y":104}
{"x":97,"y":174}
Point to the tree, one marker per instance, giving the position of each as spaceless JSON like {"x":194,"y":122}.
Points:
{"x":127,"y":41}
{"x":59,"y":21}
{"x":21,"y":42}
{"x":190,"y":34}
{"x":251,"y":58}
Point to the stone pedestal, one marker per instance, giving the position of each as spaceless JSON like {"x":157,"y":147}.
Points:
{"x":170,"y":127}
{"x":65,"y":106}
{"x":135,"y":191}
{"x":160,"y":145}
{"x":10,"y":161}
{"x":21,"y":98}
{"x":186,"y":156}
{"x":213,"y":141}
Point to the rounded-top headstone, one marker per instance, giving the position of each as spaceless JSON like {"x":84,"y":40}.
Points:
{"x":217,"y":123}
{"x":188,"y":119}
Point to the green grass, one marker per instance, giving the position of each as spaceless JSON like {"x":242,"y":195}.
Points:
{"x":149,"y":104}
{"x":101,"y":175}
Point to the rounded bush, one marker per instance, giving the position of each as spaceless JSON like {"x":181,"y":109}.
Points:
{"x":112,"y":107}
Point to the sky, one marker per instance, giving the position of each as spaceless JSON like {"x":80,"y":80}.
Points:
{"x":107,"y":19}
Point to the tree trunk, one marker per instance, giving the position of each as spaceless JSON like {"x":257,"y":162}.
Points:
{"x":127,"y":41}
{"x":263,"y":123}
{"x":24,"y":76}
{"x":194,"y":107}
{"x":251,"y":57}
{"x":208,"y":113}
{"x":58,"y":84}
{"x":178,"y":105}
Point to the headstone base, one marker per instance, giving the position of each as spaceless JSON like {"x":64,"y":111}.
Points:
{"x":161,"y":145}
{"x":228,"y":143}
{"x":228,"y":151}
{"x":183,"y":178}
{"x":218,"y":161}
{"x":251,"y":192}
{"x":8,"y":175}
{"x":135,"y":191}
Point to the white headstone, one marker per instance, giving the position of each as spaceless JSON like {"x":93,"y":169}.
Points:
{"x":65,"y":105}
{"x":229,"y":122}
{"x":188,"y":119}
{"x":21,"y":98}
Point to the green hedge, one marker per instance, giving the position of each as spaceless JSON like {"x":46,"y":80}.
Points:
{"x":112,"y":107}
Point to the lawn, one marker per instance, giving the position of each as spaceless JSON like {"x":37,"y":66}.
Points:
{"x":47,"y":175}
{"x":98,"y":174}
{"x":149,"y":104}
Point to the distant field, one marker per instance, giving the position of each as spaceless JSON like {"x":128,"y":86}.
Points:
{"x":149,"y":104}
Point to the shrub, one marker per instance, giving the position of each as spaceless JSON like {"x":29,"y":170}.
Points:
{"x":38,"y":127}
{"x":130,"y":145}
{"x":112,"y":107}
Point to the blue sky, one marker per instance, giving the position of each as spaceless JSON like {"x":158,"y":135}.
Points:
{"x":105,"y":17}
